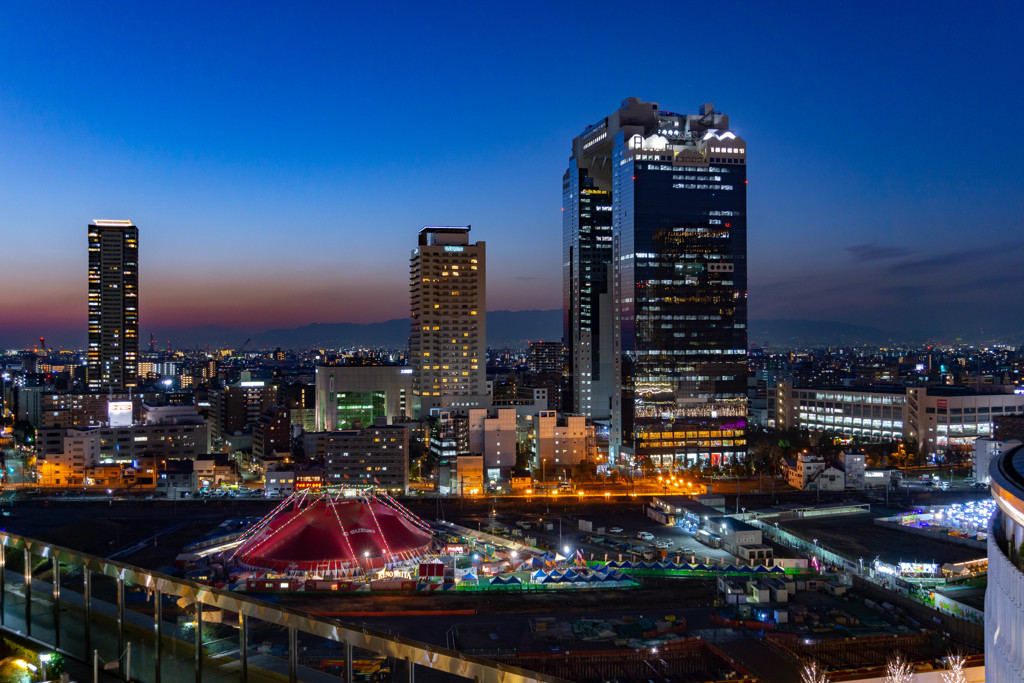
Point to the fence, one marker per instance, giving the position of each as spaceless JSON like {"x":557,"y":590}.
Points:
{"x":84,"y":606}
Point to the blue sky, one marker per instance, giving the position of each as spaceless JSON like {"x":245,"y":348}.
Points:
{"x":279,"y":158}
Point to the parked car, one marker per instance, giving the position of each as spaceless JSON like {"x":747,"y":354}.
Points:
{"x":615,"y":530}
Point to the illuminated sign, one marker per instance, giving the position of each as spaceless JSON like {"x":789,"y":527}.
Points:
{"x":393,"y":574}
{"x":252,"y":384}
{"x":456,"y":249}
{"x":405,"y":371}
{"x":918,"y":568}
{"x":119,"y":413}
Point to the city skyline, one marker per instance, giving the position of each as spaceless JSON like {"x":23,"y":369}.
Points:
{"x":864,"y":215}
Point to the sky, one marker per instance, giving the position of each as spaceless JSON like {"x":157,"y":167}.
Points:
{"x":280,"y":158}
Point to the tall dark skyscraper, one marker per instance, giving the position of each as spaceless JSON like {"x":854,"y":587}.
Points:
{"x":586,"y":305}
{"x":113,"y":305}
{"x":676,"y":278}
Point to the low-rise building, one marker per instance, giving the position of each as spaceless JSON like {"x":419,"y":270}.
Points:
{"x":377,"y":455}
{"x":562,"y":443}
{"x":854,"y":465}
{"x":176,"y":479}
{"x":809,"y":471}
{"x":740,"y":539}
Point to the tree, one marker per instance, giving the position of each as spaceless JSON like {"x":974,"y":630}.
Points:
{"x":954,"y":672}
{"x":898,"y":670}
{"x":813,"y":673}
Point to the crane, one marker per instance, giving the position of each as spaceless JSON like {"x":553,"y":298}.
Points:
{"x":242,"y":347}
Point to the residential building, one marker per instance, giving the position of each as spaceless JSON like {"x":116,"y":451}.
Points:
{"x":113,"y":305}
{"x":546,"y":358}
{"x":377,"y":455}
{"x":447,"y":439}
{"x":854,"y":465}
{"x":272,"y":431}
{"x":677,"y":282}
{"x":87,"y":410}
{"x":493,"y":435}
{"x":808,"y":471}
{"x":170,"y":439}
{"x":561,"y":443}
{"x":236,"y":407}
{"x":448,"y":334}
{"x":177,"y":479}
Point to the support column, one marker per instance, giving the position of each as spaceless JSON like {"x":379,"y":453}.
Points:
{"x":56,"y":603}
{"x":28,"y":592}
{"x":293,"y":655}
{"x":410,"y":670}
{"x":3,"y":584}
{"x":199,"y":641}
{"x":348,"y":662}
{"x":243,"y":648}
{"x":158,"y":619}
{"x":120,"y":616}
{"x":87,"y":598}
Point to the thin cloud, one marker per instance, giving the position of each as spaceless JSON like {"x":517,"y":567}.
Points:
{"x":873,"y":251}
{"x":958,"y":257}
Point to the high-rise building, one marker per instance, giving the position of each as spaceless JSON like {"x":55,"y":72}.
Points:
{"x":113,"y":305}
{"x":448,"y":336}
{"x":677,"y":281}
{"x":586,"y":301}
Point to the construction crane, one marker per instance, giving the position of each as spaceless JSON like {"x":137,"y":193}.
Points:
{"x":242,"y":347}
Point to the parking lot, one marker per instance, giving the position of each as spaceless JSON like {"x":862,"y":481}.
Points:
{"x":565,"y":533}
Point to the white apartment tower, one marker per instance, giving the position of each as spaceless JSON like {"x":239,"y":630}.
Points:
{"x":448,"y":335}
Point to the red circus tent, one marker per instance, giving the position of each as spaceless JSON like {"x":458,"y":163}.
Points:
{"x":329,"y":531}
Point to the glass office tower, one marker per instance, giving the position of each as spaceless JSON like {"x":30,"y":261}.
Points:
{"x":678,"y":282}
{"x":586,"y":252}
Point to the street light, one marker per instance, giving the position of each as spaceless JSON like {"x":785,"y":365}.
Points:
{"x":44,"y":659}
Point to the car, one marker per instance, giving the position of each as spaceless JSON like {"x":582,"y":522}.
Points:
{"x":645,"y":535}
{"x":615,"y":530}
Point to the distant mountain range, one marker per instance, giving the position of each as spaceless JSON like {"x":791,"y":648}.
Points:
{"x":790,"y":334}
{"x":504,"y":329}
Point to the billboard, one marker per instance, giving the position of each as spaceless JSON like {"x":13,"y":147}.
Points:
{"x":119,"y":413}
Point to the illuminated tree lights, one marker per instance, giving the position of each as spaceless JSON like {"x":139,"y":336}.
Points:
{"x":813,"y":673}
{"x":954,"y":672}
{"x":898,"y":670}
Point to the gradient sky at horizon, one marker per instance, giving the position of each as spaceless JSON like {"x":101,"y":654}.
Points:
{"x":279,"y":158}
